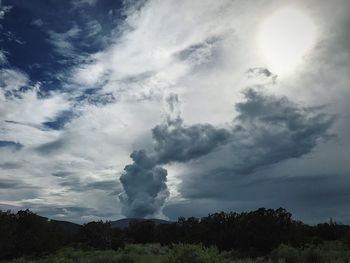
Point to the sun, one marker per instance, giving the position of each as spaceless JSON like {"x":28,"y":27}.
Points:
{"x":284,"y":38}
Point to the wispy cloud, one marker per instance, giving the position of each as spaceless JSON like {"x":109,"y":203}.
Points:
{"x":38,"y":22}
{"x":3,"y":59}
{"x":63,"y":41}
{"x":80,"y":3}
{"x":3,"y":10}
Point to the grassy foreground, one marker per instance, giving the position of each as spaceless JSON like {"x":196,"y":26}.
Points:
{"x":330,"y":252}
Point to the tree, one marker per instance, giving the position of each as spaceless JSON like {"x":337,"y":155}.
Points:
{"x":141,"y":231}
{"x":96,"y":234}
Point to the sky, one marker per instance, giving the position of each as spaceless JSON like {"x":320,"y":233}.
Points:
{"x":162,"y":109}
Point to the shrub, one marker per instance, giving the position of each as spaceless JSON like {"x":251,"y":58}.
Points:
{"x":287,"y":253}
{"x":313,"y":255}
{"x":194,"y":254}
{"x":125,"y":259}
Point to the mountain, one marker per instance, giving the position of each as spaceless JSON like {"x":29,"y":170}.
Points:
{"x":123,"y":223}
{"x":65,"y":225}
{"x":70,"y":226}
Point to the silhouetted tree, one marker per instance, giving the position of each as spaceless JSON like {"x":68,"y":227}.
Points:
{"x":8,"y":227}
{"x":118,"y":239}
{"x":141,"y":231}
{"x":96,"y":234}
{"x":167,"y":234}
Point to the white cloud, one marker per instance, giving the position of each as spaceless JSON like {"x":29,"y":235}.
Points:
{"x":3,"y":10}
{"x":151,"y":39}
{"x":3,"y":59}
{"x":27,"y":107}
{"x":63,"y":41}
{"x":93,"y":27}
{"x":79,"y":3}
{"x":12,"y":80}
{"x":22,"y":112}
{"x":38,"y":22}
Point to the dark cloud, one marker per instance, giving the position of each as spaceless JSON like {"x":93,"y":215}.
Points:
{"x":253,"y":72}
{"x":175,"y":142}
{"x":107,"y":185}
{"x":267,"y":130}
{"x":60,"y":121}
{"x":203,"y":207}
{"x":271,"y":129}
{"x":10,"y":165}
{"x":68,"y":213}
{"x":61,"y":174}
{"x":14,"y":184}
{"x":11,"y":145}
{"x":313,"y":198}
{"x":262,"y":74}
{"x":173,"y":102}
{"x":51,"y":147}
{"x":144,"y":183}
{"x":70,"y":181}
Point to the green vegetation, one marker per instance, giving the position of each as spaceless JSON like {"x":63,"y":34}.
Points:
{"x":149,"y":253}
{"x":328,"y":252}
{"x":332,"y":252}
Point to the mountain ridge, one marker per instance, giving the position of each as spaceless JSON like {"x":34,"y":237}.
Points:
{"x":120,"y":223}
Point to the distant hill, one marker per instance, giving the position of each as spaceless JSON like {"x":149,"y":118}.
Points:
{"x":124,"y":223}
{"x":65,"y":224}
{"x":70,"y":226}
{"x":121,"y":223}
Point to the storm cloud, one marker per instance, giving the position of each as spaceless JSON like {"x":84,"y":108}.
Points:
{"x":271,"y":129}
{"x":12,"y":145}
{"x":175,"y":142}
{"x":144,"y":181}
{"x":145,"y":189}
{"x":268,"y":129}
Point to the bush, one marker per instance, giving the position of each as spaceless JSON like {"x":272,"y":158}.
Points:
{"x":195,"y":254}
{"x":126,"y":259}
{"x":313,"y":255}
{"x":327,"y":252}
{"x":287,"y":253}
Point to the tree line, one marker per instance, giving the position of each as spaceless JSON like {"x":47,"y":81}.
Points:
{"x":252,"y":234}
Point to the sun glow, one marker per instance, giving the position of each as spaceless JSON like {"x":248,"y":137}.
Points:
{"x":285,"y":38}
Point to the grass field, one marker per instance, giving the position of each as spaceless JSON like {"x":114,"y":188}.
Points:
{"x":330,"y":252}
